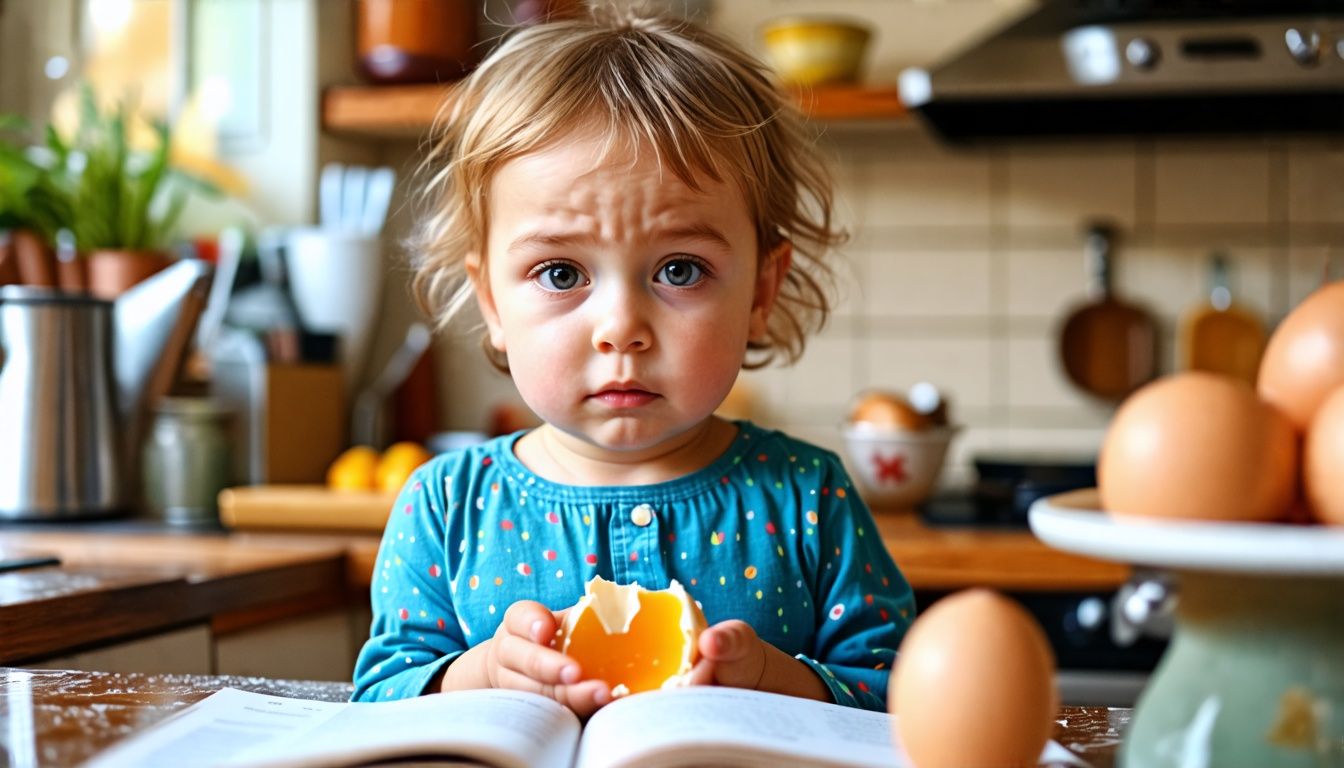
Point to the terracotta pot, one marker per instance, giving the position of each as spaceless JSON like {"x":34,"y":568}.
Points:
{"x":110,"y":273}
{"x":37,"y":264}
{"x":73,"y":275}
{"x":9,"y":266}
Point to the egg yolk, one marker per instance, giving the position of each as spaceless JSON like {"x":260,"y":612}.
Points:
{"x":641,"y":659}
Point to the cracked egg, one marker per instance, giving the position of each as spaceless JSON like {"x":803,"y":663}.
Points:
{"x":633,"y":638}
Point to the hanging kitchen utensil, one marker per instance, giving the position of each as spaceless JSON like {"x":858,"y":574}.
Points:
{"x":1220,"y":335}
{"x":1108,"y":346}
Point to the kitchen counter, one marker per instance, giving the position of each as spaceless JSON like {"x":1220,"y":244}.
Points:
{"x":1007,"y":559}
{"x":129,"y":579}
{"x":53,"y":717}
{"x":118,"y":583}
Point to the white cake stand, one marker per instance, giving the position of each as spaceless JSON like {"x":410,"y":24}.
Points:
{"x":1254,"y":674}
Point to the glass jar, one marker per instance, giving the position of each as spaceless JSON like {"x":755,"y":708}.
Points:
{"x":186,"y":460}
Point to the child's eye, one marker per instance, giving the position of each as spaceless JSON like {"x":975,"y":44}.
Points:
{"x":680,"y":272}
{"x":558,"y":276}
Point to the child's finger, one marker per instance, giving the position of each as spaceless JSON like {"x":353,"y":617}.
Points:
{"x":702,"y":673}
{"x":537,"y":662}
{"x":584,"y":698}
{"x":530,"y":619}
{"x":727,"y":641}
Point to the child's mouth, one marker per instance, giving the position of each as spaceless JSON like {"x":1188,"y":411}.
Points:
{"x":624,"y":398}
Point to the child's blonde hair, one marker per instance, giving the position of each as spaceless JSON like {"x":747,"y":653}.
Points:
{"x":704,"y":105}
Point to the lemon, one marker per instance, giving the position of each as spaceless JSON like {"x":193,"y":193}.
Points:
{"x":353,"y":470}
{"x":397,"y":464}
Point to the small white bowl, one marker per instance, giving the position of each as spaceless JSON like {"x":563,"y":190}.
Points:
{"x":896,"y":468}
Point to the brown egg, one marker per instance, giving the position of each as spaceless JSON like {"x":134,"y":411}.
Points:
{"x":1323,"y":460}
{"x":1198,"y":445}
{"x":974,"y":685}
{"x":886,"y":410}
{"x":1304,"y":359}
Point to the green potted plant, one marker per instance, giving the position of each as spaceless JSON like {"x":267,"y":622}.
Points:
{"x":124,"y":202}
{"x":32,"y":210}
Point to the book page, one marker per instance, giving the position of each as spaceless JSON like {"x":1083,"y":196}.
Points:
{"x":703,"y":726}
{"x":509,"y":729}
{"x":215,"y":729}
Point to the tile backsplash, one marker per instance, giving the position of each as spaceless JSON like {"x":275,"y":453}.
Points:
{"x":964,"y":262}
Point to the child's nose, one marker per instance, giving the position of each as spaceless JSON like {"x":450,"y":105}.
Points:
{"x":621,"y":324}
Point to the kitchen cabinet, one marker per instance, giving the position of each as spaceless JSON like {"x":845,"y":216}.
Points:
{"x":318,"y":646}
{"x":407,"y":111}
{"x":179,"y":652}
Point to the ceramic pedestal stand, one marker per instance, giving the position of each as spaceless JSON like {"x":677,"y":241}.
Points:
{"x":1254,"y":674}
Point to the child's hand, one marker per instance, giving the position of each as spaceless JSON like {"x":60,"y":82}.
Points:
{"x":520,"y":656}
{"x":731,"y":654}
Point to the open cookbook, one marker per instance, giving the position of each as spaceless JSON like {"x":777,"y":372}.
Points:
{"x":695,"y":726}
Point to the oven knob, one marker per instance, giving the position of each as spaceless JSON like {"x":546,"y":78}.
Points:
{"x":1304,"y":47}
{"x":1142,"y":53}
{"x":1143,"y":606}
{"x":1091,"y":614}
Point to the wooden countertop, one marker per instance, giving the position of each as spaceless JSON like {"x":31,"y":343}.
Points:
{"x":950,"y":558}
{"x":53,"y":717}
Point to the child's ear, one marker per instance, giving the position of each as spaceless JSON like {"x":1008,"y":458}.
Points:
{"x":480,"y":283}
{"x":770,"y":276}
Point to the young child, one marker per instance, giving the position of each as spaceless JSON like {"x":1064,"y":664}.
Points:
{"x":634,"y":206}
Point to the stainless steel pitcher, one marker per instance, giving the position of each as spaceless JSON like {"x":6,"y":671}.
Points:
{"x":76,"y":377}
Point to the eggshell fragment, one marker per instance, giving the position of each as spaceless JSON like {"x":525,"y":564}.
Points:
{"x":1323,"y":460}
{"x":1304,"y":359}
{"x":1201,"y":446}
{"x":635,"y":639}
{"x":974,"y":685}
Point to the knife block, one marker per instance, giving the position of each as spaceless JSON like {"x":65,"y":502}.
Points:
{"x":292,"y":419}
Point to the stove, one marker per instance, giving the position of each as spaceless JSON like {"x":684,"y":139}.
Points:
{"x":1005,"y":488}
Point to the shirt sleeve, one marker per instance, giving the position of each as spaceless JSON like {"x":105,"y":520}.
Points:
{"x":415,"y":631}
{"x":863,"y":602}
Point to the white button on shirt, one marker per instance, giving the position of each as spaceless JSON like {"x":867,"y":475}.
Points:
{"x":641,"y":515}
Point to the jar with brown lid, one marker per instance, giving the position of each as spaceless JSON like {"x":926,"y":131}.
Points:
{"x":415,"y":41}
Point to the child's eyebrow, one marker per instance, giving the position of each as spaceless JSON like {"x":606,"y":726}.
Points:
{"x":698,"y":231}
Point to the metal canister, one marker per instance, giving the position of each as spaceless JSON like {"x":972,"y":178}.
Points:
{"x":187,"y":459}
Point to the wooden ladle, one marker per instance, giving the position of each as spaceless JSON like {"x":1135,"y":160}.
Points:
{"x":1108,"y":346}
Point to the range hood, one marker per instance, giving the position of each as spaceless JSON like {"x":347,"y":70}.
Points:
{"x":1132,"y":67}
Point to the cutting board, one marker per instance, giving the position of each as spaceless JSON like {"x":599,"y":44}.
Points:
{"x":303,"y":506}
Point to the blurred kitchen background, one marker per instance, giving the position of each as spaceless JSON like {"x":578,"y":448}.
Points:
{"x":964,"y":262}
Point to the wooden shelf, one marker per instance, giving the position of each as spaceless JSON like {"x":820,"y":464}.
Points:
{"x":407,"y":111}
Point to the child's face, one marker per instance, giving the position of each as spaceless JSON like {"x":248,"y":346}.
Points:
{"x":623,"y":299}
